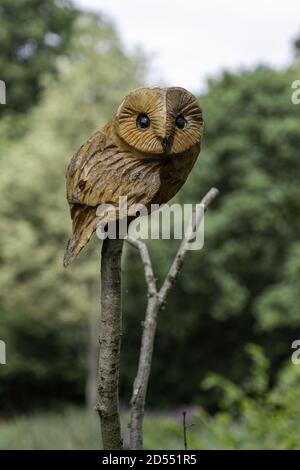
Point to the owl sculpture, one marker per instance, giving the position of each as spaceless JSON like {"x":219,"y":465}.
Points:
{"x":145,"y":152}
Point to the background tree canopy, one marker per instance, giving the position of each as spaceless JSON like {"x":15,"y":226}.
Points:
{"x":67,"y":73}
{"x":44,"y":316}
{"x":33,"y":33}
{"x":242,"y":287}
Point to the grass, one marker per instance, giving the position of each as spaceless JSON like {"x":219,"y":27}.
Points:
{"x":258,"y":427}
{"x":79,"y":429}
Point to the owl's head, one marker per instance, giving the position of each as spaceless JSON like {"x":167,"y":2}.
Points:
{"x":160,"y":120}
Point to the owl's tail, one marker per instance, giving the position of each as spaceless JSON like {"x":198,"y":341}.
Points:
{"x":84,"y":224}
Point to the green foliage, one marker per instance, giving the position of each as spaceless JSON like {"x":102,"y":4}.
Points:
{"x":71,"y":429}
{"x":33,"y":33}
{"x":75,"y":428}
{"x":253,"y":417}
{"x":44,"y":308}
{"x":250,"y":417}
{"x":297,"y":46}
{"x":243,"y":286}
{"x":252,"y":140}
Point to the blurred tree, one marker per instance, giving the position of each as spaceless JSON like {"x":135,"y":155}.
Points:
{"x":297,"y":46}
{"x":33,"y":33}
{"x":255,"y":415}
{"x":243,"y":286}
{"x":44,"y":308}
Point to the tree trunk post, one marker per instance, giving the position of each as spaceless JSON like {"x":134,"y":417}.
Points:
{"x":110,"y":344}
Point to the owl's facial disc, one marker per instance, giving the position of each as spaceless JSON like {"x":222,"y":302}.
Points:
{"x":160,"y":121}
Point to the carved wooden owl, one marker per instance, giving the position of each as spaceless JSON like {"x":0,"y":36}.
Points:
{"x":145,"y":152}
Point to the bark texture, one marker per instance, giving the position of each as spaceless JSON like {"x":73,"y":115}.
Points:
{"x":110,"y":344}
{"x":156,"y":301}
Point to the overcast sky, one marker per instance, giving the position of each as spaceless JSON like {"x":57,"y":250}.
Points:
{"x":191,"y":40}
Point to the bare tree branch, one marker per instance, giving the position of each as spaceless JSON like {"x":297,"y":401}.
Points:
{"x":149,"y":274}
{"x":192,"y":228}
{"x":156,"y":300}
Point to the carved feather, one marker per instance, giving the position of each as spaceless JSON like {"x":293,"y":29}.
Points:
{"x":122,"y":160}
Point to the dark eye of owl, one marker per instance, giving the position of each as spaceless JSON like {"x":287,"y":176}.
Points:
{"x":142,"y":121}
{"x":180,"y":122}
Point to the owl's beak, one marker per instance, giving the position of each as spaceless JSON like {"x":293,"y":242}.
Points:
{"x":166,"y":143}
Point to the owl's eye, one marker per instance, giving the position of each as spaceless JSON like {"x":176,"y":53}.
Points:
{"x":180,"y":122}
{"x":142,"y":121}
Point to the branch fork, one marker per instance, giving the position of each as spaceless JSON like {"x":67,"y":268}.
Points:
{"x":111,"y":331}
{"x":156,"y":302}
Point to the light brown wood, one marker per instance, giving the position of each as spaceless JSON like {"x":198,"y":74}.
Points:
{"x":148,"y":165}
{"x":110,"y":344}
{"x":145,"y":152}
{"x":156,"y":301}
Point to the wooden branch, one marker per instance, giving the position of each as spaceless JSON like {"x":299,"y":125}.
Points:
{"x":110,"y":344}
{"x":192,"y":228}
{"x":138,"y":398}
{"x":148,"y":269}
{"x":156,"y":300}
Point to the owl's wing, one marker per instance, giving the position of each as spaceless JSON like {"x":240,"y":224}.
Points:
{"x":101,"y":173}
